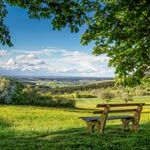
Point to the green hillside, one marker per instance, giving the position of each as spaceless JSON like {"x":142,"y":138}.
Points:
{"x":43,"y":128}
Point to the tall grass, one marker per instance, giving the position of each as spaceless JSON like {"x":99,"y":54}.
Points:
{"x":42,"y":128}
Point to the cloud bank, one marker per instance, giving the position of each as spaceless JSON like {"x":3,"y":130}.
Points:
{"x":52,"y":61}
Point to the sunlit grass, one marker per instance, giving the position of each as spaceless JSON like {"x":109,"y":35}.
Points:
{"x":29,"y":127}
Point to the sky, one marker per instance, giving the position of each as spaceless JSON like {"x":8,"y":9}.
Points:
{"x":40,"y":51}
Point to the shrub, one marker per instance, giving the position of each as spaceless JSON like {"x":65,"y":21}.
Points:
{"x":107,"y":96}
{"x":142,"y":93}
{"x":95,"y":92}
{"x":12,"y":92}
{"x":126,"y":94}
{"x":9,"y":90}
{"x":63,"y":101}
{"x":33,"y":96}
{"x":127,"y":97}
{"x":83,"y":95}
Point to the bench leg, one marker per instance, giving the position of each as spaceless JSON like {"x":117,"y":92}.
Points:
{"x":136,"y":119}
{"x":125,"y":123}
{"x":91,"y":125}
{"x":135,"y":125}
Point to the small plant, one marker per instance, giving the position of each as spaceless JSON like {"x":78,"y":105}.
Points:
{"x":83,"y":94}
{"x":126,"y":95}
{"x":107,"y":96}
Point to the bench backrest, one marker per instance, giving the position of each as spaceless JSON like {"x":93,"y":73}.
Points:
{"x":120,"y":108}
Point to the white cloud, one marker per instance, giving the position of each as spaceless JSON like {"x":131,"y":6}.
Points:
{"x":3,"y":53}
{"x":27,"y":57}
{"x":9,"y":65}
{"x":57,"y":61}
{"x":29,"y":60}
{"x":45,"y":51}
{"x":11,"y":62}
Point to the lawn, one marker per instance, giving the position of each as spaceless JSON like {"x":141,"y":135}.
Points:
{"x":42,"y":128}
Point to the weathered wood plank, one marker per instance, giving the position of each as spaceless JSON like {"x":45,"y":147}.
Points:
{"x":96,"y":118}
{"x":119,"y":117}
{"x":90,"y":118}
{"x":114,"y":111}
{"x":119,"y":105}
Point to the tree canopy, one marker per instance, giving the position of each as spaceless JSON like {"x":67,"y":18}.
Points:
{"x":119,"y":28}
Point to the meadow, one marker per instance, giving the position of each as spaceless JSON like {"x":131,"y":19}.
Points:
{"x":45,"y":128}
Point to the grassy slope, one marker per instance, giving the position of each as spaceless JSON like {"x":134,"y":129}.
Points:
{"x":41,"y":128}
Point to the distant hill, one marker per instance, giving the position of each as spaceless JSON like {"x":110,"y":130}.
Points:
{"x":60,"y":78}
{"x":70,"y":84}
{"x":71,"y":89}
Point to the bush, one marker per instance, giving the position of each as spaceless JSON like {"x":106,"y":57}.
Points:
{"x":107,"y":96}
{"x":63,"y":101}
{"x":126,"y":97}
{"x":83,"y":95}
{"x":9,"y":90}
{"x":13,"y":92}
{"x":33,"y":96}
{"x":142,"y":93}
{"x":126,"y":94}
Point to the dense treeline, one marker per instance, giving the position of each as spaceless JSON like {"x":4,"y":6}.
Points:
{"x":14,"y":92}
{"x":71,"y":89}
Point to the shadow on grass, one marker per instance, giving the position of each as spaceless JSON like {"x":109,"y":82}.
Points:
{"x":78,"y":139}
{"x":5,"y":129}
{"x":69,"y":109}
{"x":80,"y":110}
{"x":4,"y":123}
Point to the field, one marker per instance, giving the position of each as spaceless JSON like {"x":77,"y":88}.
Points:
{"x":57,"y":82}
{"x":42,"y":128}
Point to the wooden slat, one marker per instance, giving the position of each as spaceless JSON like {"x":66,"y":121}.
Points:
{"x":119,"y":105}
{"x":97,"y":111}
{"x":95,"y":118}
{"x":122,"y":110}
{"x":114,"y":111}
{"x":119,"y":117}
{"x":90,"y":118}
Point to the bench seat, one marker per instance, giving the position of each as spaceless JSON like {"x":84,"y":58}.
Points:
{"x":96,"y":118}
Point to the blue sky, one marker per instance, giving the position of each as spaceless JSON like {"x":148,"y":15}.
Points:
{"x":38,"y":50}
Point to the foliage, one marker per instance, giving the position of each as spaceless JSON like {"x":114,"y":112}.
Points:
{"x":84,"y":94}
{"x":62,"y":13}
{"x":13,"y":92}
{"x":9,"y":89}
{"x":126,"y":94}
{"x":4,"y":32}
{"x":33,"y":96}
{"x":107,"y":95}
{"x":127,"y":97}
{"x":71,"y":89}
{"x":63,"y":101}
{"x":142,"y":93}
{"x":120,"y":29}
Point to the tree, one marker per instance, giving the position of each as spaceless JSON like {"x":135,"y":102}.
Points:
{"x":119,"y":28}
{"x":10,"y":89}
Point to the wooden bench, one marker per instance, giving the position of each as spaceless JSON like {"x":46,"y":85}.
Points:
{"x":100,"y":121}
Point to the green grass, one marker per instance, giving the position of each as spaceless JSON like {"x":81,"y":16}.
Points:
{"x":42,"y":128}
